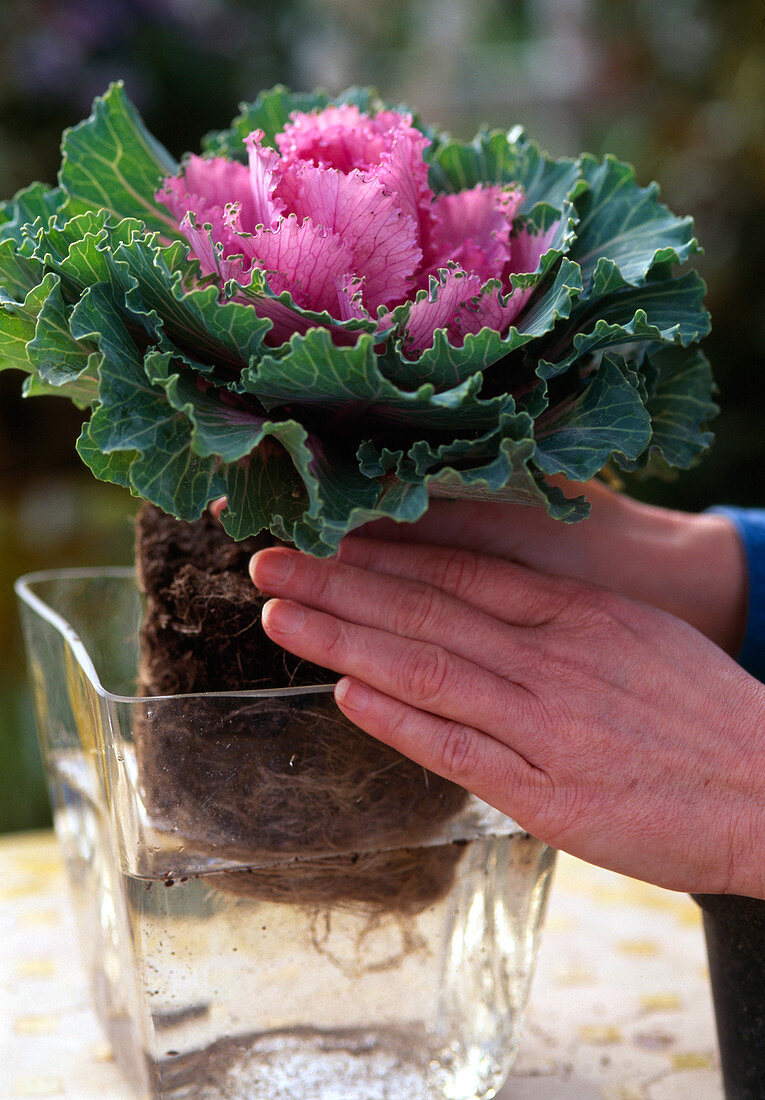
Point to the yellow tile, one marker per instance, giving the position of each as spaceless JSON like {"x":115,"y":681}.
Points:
{"x":574,"y":975}
{"x":38,"y":1086}
{"x":601,"y":1034}
{"x":690,"y":917}
{"x":667,"y":901}
{"x":692,"y":1059}
{"x":101,"y":1052}
{"x":43,"y":916}
{"x":44,"y":867}
{"x":35,"y":1025}
{"x":624,"y":1092}
{"x":660,"y":1002}
{"x":36,"y":968}
{"x":645,"y":948}
{"x":25,"y":889}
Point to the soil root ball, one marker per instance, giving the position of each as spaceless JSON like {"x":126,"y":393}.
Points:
{"x":270,"y":780}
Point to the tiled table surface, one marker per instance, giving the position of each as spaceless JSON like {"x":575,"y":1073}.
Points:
{"x":620,"y":1007}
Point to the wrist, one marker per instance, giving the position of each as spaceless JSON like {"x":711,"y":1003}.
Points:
{"x":691,"y":566}
{"x":712,"y":581}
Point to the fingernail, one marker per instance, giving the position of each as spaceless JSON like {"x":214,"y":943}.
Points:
{"x":217,"y":506}
{"x":352,"y":695}
{"x":283,"y":617}
{"x":270,"y":569}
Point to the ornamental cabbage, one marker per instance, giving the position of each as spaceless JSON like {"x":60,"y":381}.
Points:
{"x":335,"y":311}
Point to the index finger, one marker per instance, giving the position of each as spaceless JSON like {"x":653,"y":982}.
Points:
{"x":505,"y":589}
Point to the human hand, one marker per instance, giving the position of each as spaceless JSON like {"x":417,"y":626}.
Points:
{"x":692,"y":566}
{"x":603,"y":726}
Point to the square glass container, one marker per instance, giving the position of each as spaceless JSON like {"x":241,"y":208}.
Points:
{"x":248,"y":929}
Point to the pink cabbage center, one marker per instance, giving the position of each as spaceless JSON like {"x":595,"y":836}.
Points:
{"x":341,"y":218}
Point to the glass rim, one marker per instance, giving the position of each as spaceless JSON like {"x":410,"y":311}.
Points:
{"x":23,"y":587}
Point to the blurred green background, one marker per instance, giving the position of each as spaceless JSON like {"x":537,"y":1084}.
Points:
{"x":677,"y":87}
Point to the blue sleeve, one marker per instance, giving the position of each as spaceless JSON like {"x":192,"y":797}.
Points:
{"x":750,"y":524}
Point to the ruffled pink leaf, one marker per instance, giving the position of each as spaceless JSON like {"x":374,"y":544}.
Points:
{"x":492,"y":308}
{"x":206,"y":189}
{"x":383,"y":240}
{"x":403,"y":174}
{"x":201,"y":244}
{"x":301,"y":257}
{"x":527,"y":249}
{"x":386,"y":144}
{"x":219,"y":181}
{"x":440,"y":308}
{"x":264,"y":174}
{"x":207,"y":182}
{"x":350,"y":297}
{"x":472,"y":228}
{"x":174,"y":194}
{"x":338,"y":137}
{"x":285,"y":321}
{"x":206,"y":246}
{"x":343,"y":219}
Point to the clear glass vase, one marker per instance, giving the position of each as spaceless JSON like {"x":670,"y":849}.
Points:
{"x":246,"y":932}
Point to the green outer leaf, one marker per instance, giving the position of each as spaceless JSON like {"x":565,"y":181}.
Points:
{"x":227,"y":430}
{"x":556,"y":303}
{"x":608,"y":420}
{"x":111,"y":162}
{"x":149,"y":280}
{"x":339,"y":494}
{"x":18,"y":275}
{"x":77,"y":249}
{"x":505,"y":158}
{"x":113,"y":467}
{"x":328,"y":493}
{"x":347,"y":383}
{"x":36,"y":201}
{"x":623,"y":225}
{"x":669,"y":311}
{"x":680,"y":382}
{"x":255,"y":453}
{"x":17,"y":324}
{"x":195,"y":316}
{"x":521,"y":487}
{"x":402,"y":501}
{"x":499,"y":465}
{"x":63,"y":365}
{"x":133,"y":415}
{"x":485,"y":458}
{"x":264,"y":491}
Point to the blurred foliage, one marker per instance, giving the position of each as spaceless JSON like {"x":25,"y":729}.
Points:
{"x":675,"y":86}
{"x":186,"y":66}
{"x":683,"y":97}
{"x":50,"y":520}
